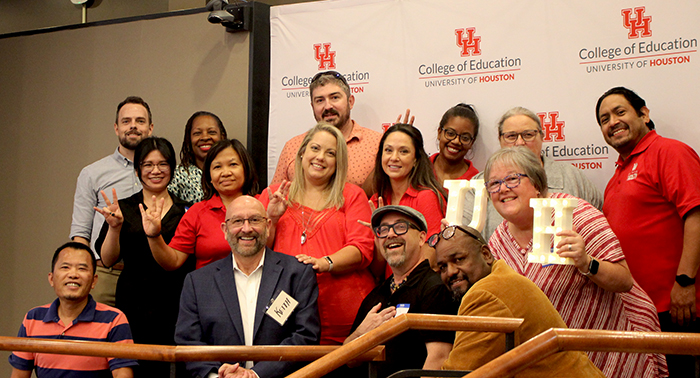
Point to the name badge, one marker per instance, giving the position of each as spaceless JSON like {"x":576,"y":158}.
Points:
{"x":402,"y":308}
{"x":282,"y":307}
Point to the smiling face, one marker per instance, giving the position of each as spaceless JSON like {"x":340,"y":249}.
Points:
{"x":205,"y":132}
{"x":620,"y":124}
{"x":462,"y":262}
{"x":227,"y":173}
{"x":398,"y":156}
{"x":319,"y":158}
{"x":454,"y":150}
{"x":155,"y":172}
{"x":400,"y":251}
{"x":249,"y":239}
{"x":132,"y":125}
{"x":519,"y":123}
{"x":512,"y":203}
{"x":73,"y":277}
{"x":330,"y":104}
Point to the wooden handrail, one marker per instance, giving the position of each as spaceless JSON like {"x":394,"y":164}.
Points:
{"x":394,"y":327}
{"x":558,"y":340}
{"x":171,"y":353}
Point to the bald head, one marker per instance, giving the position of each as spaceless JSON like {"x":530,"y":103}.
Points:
{"x":462,"y":260}
{"x":246,"y":226}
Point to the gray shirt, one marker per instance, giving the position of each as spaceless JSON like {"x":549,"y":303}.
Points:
{"x":561,"y":178}
{"x":113,"y":171}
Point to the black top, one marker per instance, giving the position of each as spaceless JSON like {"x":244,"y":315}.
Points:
{"x":425,"y":292}
{"x":148,"y":295}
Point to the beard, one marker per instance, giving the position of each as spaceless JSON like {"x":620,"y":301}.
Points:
{"x":128,"y":143}
{"x":340,"y":120}
{"x":396,"y":257}
{"x":246,"y":251}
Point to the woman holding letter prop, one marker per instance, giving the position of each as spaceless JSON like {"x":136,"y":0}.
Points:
{"x":597,"y":292}
{"x":148,"y":294}
{"x":320,"y":228}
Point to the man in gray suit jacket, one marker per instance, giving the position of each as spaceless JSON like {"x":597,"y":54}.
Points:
{"x":255,"y":296}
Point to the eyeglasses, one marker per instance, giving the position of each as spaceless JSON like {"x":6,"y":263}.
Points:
{"x":448,"y":233}
{"x":511,"y":181}
{"x":239,"y":222}
{"x":400,"y":228}
{"x":527,"y":135}
{"x":162,"y":166}
{"x":450,"y":135}
{"x":335,"y":74}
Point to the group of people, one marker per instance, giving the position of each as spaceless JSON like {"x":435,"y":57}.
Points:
{"x":349,"y":234}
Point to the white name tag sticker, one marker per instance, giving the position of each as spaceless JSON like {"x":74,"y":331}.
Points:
{"x":282,"y":307}
{"x":402,"y":308}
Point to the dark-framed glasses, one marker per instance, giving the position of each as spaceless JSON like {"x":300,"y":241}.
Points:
{"x":401,"y":227}
{"x":334,"y":74}
{"x":450,"y":135}
{"x":511,"y":181}
{"x":239,"y":222}
{"x":527,"y":135}
{"x":448,"y":233}
{"x":162,"y":166}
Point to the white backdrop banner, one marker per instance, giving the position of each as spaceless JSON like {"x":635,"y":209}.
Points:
{"x":553,"y":57}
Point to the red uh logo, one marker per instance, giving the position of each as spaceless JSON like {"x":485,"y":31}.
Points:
{"x":470,"y":44}
{"x":386,"y":126}
{"x":327,"y":58}
{"x":553,"y":129}
{"x":638,"y":24}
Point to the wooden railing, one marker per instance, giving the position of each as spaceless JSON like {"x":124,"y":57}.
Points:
{"x":559,"y":340}
{"x":181,"y":352}
{"x":394,"y":327}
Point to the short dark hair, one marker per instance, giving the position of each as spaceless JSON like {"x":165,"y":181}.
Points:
{"x":461,"y":110}
{"x":329,"y":77}
{"x":633,"y":98}
{"x":186,"y":154}
{"x":421,"y":176}
{"x":250,"y":186}
{"x":78,"y":246}
{"x":150,"y":144}
{"x":134,"y":100}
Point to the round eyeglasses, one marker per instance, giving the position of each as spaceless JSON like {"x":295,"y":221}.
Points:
{"x":400,"y":228}
{"x":527,"y":135}
{"x":450,"y":135}
{"x":448,"y":233}
{"x":511,"y":181}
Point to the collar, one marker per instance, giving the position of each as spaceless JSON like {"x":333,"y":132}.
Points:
{"x":643,"y":144}
{"x":87,"y":315}
{"x":260,"y":264}
{"x":215,"y":202}
{"x":356,"y":133}
{"x":121,"y":159}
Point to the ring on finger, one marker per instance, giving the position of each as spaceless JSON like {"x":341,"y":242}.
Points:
{"x":569,"y":247}
{"x":111,"y":213}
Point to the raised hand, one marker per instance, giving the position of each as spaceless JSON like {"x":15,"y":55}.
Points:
{"x":151,"y":217}
{"x":380,"y":202}
{"x":111,"y":212}
{"x":278,"y":201}
{"x":406,"y":118}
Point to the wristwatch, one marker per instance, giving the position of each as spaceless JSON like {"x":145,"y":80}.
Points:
{"x":330,"y":262}
{"x":684,"y":280}
{"x":592,"y":268}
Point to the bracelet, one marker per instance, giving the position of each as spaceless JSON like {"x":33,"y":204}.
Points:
{"x":330,"y":262}
{"x":152,"y":236}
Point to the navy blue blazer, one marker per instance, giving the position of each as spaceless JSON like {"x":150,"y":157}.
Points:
{"x":210,"y":313}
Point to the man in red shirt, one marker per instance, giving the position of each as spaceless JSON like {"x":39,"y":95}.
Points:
{"x":652,"y":203}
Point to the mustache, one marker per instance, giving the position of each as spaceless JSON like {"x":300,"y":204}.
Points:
{"x":330,"y":112}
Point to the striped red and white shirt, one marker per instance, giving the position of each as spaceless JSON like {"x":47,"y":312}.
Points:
{"x":583,"y":304}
